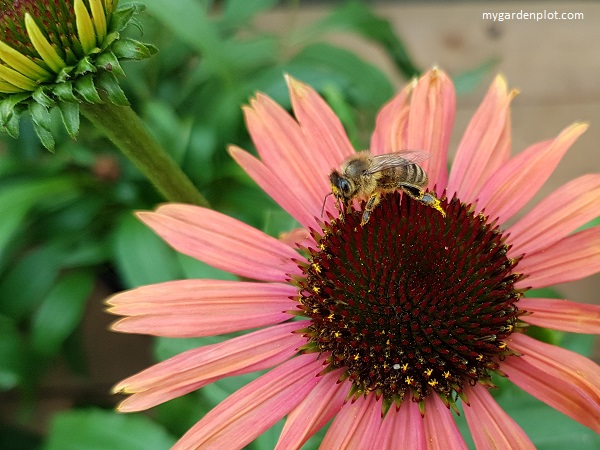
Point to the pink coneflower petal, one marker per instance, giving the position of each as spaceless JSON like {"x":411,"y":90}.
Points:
{"x":355,"y":426}
{"x":563,"y":211}
{"x":222,"y":242}
{"x":322,"y":130}
{"x":575,"y":257}
{"x":292,"y":201}
{"x":194,"y":308}
{"x":297,"y":237}
{"x":253,"y":409}
{"x":567,"y":381}
{"x":485,"y":145}
{"x":390,"y":126}
{"x":430,"y":122}
{"x":562,"y":315}
{"x":517,"y":181}
{"x":282,"y":148}
{"x":402,"y":428}
{"x":195,"y":368}
{"x":490,"y":426}
{"x":319,"y":406}
{"x":441,"y":432}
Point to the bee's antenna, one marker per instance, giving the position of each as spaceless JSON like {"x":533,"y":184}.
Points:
{"x":324,"y":200}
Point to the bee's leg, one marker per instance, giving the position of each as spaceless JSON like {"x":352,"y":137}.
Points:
{"x":431,"y":200}
{"x":370,"y":206}
{"x":340,"y":206}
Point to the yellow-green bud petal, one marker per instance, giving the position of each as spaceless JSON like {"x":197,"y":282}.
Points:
{"x":99,"y":18}
{"x":22,"y":63}
{"x":42,"y":46}
{"x":7,"y":88}
{"x":17,"y":79}
{"x":85,"y":27}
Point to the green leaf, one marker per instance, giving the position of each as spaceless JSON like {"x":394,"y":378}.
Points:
{"x":109,"y":62}
{"x":93,"y":429}
{"x":109,"y":84}
{"x":239,"y":12}
{"x":547,"y":428}
{"x":85,"y":65}
{"x":546,"y":292}
{"x":16,"y":201}
{"x":26,"y":282}
{"x":465,"y":82}
{"x":358,"y":18}
{"x":361,"y":81}
{"x":278,"y":221}
{"x":181,"y":413}
{"x":70,"y":117}
{"x":85,"y":87}
{"x":64,"y":91}
{"x":13,"y":357}
{"x":45,"y":136}
{"x":131,"y":49}
{"x":11,"y":125}
{"x":60,"y":312}
{"x":192,"y":268}
{"x":189,"y":21}
{"x":42,"y":98}
{"x":122,"y":16}
{"x":9,"y":113}
{"x":591,"y":224}
{"x":40,"y":115}
{"x":141,"y":256}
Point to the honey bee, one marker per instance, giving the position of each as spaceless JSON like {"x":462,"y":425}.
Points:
{"x":363,"y":175}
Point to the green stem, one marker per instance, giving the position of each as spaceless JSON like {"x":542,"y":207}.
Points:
{"x":127,"y":131}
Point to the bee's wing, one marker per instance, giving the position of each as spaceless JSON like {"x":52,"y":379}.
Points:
{"x":391,"y":160}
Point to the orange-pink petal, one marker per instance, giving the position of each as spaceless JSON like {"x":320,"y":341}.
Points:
{"x":485,"y":145}
{"x":281,"y":146}
{"x":566,"y":381}
{"x":430,"y":121}
{"x":355,"y":426}
{"x":194,"y":308}
{"x":253,"y":409}
{"x":327,"y":142}
{"x":511,"y":186}
{"x":317,"y":408}
{"x":441,"y":432}
{"x":223,"y":242}
{"x":574,"y":257}
{"x":198,"y":367}
{"x":562,"y":315}
{"x":294,"y":201}
{"x":390,"y":126}
{"x":560,"y":213}
{"x":490,"y":425}
{"x":402,"y":428}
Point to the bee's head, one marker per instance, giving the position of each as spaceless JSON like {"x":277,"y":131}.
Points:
{"x":341,"y":187}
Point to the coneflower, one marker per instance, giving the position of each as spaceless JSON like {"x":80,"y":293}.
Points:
{"x":402,"y":317}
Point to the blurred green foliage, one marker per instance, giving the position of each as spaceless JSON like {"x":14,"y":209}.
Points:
{"x":67,"y":224}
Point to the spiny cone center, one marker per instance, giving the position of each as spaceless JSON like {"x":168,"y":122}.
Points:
{"x":55,"y":17}
{"x":412,"y":301}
